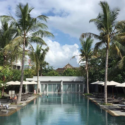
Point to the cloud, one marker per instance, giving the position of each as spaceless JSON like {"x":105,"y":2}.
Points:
{"x":69,"y":16}
{"x":60,"y":55}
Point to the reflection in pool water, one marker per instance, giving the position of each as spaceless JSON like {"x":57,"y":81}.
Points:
{"x":65,"y":109}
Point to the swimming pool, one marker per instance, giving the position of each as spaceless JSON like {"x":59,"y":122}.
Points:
{"x":62,"y":109}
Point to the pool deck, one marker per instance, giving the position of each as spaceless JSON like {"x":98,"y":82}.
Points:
{"x":112,"y":109}
{"x":14,"y":108}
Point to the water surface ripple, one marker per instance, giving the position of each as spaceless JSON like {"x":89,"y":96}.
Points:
{"x":64,"y":109}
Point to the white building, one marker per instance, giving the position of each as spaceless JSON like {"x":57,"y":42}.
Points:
{"x":59,"y":84}
{"x":17,"y":64}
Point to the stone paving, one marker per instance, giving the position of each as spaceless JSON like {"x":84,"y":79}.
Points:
{"x":112,"y":109}
{"x":13,"y":108}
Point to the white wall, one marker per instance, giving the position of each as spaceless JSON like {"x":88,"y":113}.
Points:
{"x":57,"y":78}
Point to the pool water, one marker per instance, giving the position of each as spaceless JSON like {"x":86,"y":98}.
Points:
{"x":65,"y":109}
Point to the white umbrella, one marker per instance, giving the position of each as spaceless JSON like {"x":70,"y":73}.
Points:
{"x":100,"y":83}
{"x":13,"y":83}
{"x":95,"y":82}
{"x":111,"y":83}
{"x":30,"y":83}
{"x":18,"y":83}
{"x":120,"y":85}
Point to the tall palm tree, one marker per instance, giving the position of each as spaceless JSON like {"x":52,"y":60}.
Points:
{"x":31,"y":30}
{"x":86,"y":55}
{"x":37,"y":56}
{"x":105,"y":22}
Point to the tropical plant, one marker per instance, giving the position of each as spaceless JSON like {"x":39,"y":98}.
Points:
{"x":52,"y":73}
{"x":37,"y":56}
{"x":86,"y":55}
{"x":29,"y":73}
{"x":46,"y":70}
{"x":7,"y":33}
{"x":43,"y":65}
{"x":5,"y":76}
{"x":71,"y":72}
{"x":30,"y":30}
{"x":105,"y":22}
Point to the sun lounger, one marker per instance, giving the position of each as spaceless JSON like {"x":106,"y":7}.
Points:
{"x":116,"y":101}
{"x":25,"y":96}
{"x":109,"y":98}
{"x":4,"y":106}
{"x":122,"y":106}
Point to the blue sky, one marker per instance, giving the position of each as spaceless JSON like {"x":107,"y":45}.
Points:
{"x":64,"y":38}
{"x":68,"y":19}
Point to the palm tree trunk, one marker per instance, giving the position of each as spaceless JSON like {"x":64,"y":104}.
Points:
{"x":106,"y":75}
{"x":22,"y":72}
{"x":87,"y":74}
{"x":2,"y":91}
{"x":41,"y":71}
{"x":37,"y":81}
{"x":87,"y":81}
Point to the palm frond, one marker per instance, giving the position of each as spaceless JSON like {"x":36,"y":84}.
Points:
{"x":121,"y":62}
{"x":42,"y":17}
{"x":43,"y":33}
{"x":37,"y":40}
{"x":89,"y":35}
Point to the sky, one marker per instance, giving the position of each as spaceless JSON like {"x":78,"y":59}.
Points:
{"x":68,"y":19}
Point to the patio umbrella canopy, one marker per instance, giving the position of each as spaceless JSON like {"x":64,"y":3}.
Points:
{"x":120,"y":85}
{"x":98,"y":83}
{"x":95,"y":82}
{"x":18,"y":83}
{"x":111,"y":83}
{"x":13,"y":83}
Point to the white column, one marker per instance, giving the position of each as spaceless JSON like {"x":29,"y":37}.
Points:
{"x":39,"y":86}
{"x":43,"y":88}
{"x":26,"y":88}
{"x":79,"y":88}
{"x":47,"y":89}
{"x":61,"y":86}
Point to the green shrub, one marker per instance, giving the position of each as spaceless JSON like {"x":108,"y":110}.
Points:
{"x":87,"y":94}
{"x":108,"y":104}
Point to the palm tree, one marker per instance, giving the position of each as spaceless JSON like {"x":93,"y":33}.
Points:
{"x":30,"y":30}
{"x":43,"y":65}
{"x":105,"y":23}
{"x":86,"y":55}
{"x":37,"y":56}
{"x":7,"y":33}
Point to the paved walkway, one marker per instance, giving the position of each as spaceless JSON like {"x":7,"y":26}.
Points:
{"x":112,"y":109}
{"x":13,"y":108}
